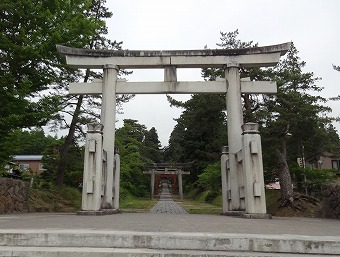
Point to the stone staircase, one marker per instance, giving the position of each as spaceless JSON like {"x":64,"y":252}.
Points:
{"x":105,"y":243}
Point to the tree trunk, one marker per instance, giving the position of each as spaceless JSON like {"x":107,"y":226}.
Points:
{"x":284,"y":176}
{"x":248,"y":114}
{"x":67,"y":143}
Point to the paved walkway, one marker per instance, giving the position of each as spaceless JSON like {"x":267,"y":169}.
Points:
{"x":166,"y":204}
{"x":153,"y":222}
{"x":171,"y":223}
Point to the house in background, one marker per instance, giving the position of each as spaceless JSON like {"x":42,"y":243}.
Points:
{"x":324,"y":161}
{"x":25,"y":162}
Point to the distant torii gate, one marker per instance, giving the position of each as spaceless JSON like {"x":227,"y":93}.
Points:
{"x":174,"y":170}
{"x":242,"y":190}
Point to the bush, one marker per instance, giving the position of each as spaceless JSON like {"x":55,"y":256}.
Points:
{"x":210,"y":179}
{"x":313,"y":179}
{"x":210,"y":197}
{"x":73,"y":178}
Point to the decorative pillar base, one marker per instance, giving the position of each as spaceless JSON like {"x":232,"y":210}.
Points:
{"x":256,"y":216}
{"x":99,"y":213}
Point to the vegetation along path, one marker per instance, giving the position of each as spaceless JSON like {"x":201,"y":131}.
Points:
{"x":166,"y":204}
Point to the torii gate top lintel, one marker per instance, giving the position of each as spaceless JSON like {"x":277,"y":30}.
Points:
{"x":134,"y":59}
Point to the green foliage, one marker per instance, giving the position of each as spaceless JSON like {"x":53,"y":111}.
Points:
{"x":71,"y":194}
{"x":201,"y":130}
{"x":73,"y":163}
{"x":337,"y":98}
{"x":199,"y":133}
{"x":132,"y":202}
{"x":29,"y":63}
{"x":294,"y":111}
{"x":297,"y":110}
{"x":137,"y":147}
{"x":54,"y":199}
{"x":337,"y":68}
{"x":153,"y":146}
{"x":210,"y":181}
{"x":196,"y":203}
{"x":210,"y":178}
{"x":83,"y":109}
{"x":74,"y":178}
{"x":313,"y":179}
{"x":27,"y":142}
{"x":229,"y":40}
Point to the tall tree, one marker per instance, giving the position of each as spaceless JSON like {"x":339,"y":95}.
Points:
{"x":29,"y":31}
{"x":294,"y":112}
{"x":73,"y":163}
{"x":292,"y":116}
{"x":133,"y":141}
{"x":153,"y":146}
{"x":199,"y":133}
{"x":27,"y":142}
{"x":201,"y":130}
{"x":84,"y":109}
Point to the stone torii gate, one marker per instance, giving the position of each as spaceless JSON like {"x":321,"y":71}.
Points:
{"x":231,"y":60}
{"x":177,"y":170}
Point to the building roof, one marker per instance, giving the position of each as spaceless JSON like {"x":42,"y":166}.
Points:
{"x":324,"y":154}
{"x":27,"y":157}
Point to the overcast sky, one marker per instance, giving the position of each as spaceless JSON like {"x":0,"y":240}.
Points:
{"x":313,"y":26}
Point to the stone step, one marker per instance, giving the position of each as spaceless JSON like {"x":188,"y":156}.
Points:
{"x":127,"y":252}
{"x":102,"y":239}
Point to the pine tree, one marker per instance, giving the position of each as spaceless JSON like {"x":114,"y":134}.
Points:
{"x":291,"y":120}
{"x":82,"y":109}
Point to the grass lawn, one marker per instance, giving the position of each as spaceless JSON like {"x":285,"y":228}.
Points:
{"x":196,"y":207}
{"x":198,"y":204}
{"x":133,"y":204}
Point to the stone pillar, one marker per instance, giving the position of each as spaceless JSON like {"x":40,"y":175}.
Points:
{"x":180,"y":184}
{"x":234,"y":122}
{"x":253,"y":172}
{"x":224,"y":178}
{"x":156,"y":183}
{"x":93,"y":161}
{"x":152,"y":183}
{"x":108,"y":119}
{"x":117,"y":179}
{"x":170,"y":74}
{"x":174,"y":191}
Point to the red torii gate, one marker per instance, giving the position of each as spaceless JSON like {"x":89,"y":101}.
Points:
{"x":159,"y":177}
{"x":166,"y":170}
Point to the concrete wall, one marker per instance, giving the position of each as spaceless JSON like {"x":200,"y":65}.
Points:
{"x":13,"y":196}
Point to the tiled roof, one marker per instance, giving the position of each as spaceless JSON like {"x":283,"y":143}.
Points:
{"x":27,"y":157}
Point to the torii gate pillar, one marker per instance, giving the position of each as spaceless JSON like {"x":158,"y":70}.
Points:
{"x":234,"y":122}
{"x":108,"y":119}
{"x":180,"y":184}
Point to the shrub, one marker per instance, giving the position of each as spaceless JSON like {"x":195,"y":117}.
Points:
{"x":313,"y":179}
{"x":210,"y":179}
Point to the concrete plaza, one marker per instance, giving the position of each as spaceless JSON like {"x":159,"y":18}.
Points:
{"x":149,"y":222}
{"x":168,"y":216}
{"x":166,"y":231}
